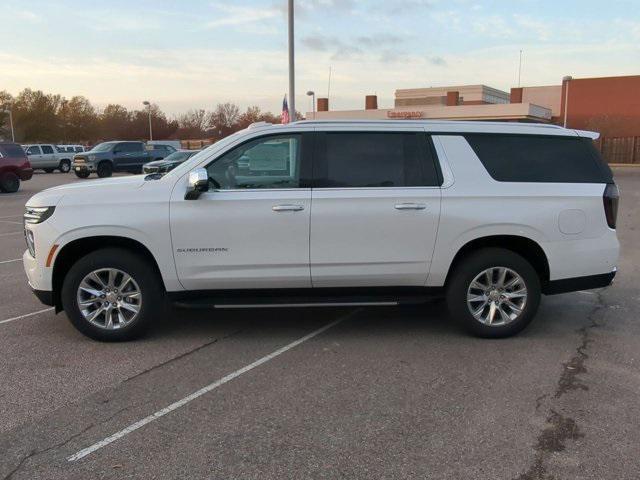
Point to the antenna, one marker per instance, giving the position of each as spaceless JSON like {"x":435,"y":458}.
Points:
{"x":520,"y":69}
{"x":329,"y":86}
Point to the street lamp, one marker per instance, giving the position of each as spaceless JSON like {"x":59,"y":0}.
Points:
{"x":311,"y":93}
{"x":146,"y":102}
{"x":566,"y":80}
{"x":292,"y":78}
{"x":13,"y":136}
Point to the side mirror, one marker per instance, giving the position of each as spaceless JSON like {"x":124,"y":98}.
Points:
{"x":198,"y":182}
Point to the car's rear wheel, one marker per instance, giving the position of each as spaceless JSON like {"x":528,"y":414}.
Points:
{"x":494,"y":293}
{"x":105,"y":169}
{"x":112,"y":295}
{"x":65,"y":166}
{"x":82,"y":173}
{"x":9,"y":182}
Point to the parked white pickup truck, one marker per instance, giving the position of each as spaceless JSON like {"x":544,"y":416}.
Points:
{"x":48,"y":158}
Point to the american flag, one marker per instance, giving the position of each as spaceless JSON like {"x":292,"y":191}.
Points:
{"x":285,"y":111}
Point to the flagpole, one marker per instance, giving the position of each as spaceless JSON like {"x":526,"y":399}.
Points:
{"x":292,"y":82}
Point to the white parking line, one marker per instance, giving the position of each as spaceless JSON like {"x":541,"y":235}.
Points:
{"x":11,"y":216}
{"x":26,"y":315}
{"x":11,"y":233}
{"x":198,"y":393}
{"x":11,"y":221}
{"x":10,"y":261}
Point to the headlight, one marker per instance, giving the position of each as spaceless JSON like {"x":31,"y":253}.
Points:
{"x":33,"y":215}
{"x":31,"y":244}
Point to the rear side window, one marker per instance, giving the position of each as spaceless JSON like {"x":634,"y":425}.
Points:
{"x":372,"y":159}
{"x":529,"y":158}
{"x":47,"y":149}
{"x":130,"y":147}
{"x":12,"y":150}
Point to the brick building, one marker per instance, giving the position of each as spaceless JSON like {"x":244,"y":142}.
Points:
{"x":609,"y":105}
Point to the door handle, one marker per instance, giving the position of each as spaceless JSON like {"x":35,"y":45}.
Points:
{"x":287,"y":208}
{"x":410,"y":206}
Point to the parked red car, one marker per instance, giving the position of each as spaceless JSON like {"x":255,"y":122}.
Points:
{"x":14,"y":167}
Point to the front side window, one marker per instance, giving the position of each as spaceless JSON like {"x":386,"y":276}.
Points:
{"x":375,"y":159}
{"x":34,"y":150}
{"x":47,"y":149}
{"x":267,"y":162}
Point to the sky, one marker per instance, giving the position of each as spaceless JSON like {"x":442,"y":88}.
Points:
{"x":196,"y":53}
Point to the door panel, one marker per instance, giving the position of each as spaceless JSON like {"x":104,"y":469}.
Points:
{"x":376,"y":208}
{"x":373,"y":237}
{"x":252,"y":231}
{"x":242,"y":239}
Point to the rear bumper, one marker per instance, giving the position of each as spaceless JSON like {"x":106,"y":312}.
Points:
{"x":579,"y":283}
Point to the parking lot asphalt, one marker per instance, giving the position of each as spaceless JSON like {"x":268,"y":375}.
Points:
{"x":389,"y":392}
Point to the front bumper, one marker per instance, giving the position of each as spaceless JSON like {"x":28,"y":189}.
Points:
{"x":45,"y":296}
{"x":83,"y":167}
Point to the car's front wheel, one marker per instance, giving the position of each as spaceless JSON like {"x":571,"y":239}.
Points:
{"x":494,"y":293}
{"x":112,"y":295}
{"x":105,"y":169}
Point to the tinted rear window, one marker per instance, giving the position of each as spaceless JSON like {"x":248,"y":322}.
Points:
{"x":367,"y":159}
{"x":528,"y":158}
{"x":12,"y":150}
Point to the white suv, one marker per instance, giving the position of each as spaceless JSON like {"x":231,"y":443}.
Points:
{"x":491,"y":215}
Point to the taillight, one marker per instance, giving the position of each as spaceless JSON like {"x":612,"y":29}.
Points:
{"x":610,"y":198}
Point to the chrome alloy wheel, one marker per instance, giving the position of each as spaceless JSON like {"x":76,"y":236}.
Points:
{"x":497,"y":296}
{"x":109,"y":298}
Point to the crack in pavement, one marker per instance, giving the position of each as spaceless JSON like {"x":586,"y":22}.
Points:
{"x":560,"y":428}
{"x":182,"y":355}
{"x":61,"y":444}
{"x":34,"y":452}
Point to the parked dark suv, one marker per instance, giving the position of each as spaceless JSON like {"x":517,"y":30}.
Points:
{"x":116,"y":156}
{"x":14,"y":167}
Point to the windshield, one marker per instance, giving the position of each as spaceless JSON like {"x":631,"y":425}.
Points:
{"x":103,"y":147}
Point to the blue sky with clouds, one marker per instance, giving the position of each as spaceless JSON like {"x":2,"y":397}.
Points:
{"x":196,"y":53}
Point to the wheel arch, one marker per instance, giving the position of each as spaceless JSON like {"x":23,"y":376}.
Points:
{"x":78,"y":248}
{"x":527,"y":248}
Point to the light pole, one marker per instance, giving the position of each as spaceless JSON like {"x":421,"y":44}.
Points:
{"x":13,"y":136}
{"x":311,"y":93}
{"x":148,"y":104}
{"x":566,"y":80}
{"x":292,"y":80}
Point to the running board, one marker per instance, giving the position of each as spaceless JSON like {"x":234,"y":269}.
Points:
{"x":292,"y":298}
{"x":316,"y":304}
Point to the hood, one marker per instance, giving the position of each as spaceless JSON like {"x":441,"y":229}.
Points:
{"x":109,"y":186}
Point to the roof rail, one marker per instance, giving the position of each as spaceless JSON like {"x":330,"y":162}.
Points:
{"x":259,"y":124}
{"x":426,"y":122}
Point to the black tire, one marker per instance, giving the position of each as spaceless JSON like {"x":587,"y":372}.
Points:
{"x":150,"y":286}
{"x":469,"y":268}
{"x":65,"y":166}
{"x":9,"y":182}
{"x":82,"y":173}
{"x":105,"y":169}
{"x":48,"y":170}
